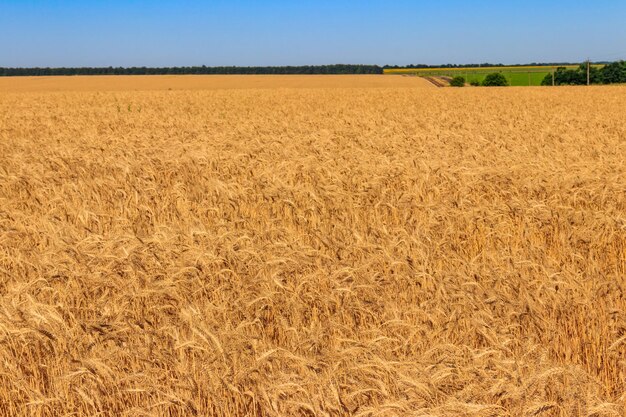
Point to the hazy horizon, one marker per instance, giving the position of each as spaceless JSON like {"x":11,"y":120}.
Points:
{"x":279,"y":33}
{"x":414,"y":64}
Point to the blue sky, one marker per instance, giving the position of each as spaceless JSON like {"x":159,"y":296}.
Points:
{"x":280,"y":32}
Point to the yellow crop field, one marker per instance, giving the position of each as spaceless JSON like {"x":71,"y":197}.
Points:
{"x":198,"y":82}
{"x":310,"y":246}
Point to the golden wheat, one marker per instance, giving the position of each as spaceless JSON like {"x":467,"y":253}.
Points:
{"x":267,"y":251}
{"x":200,"y":82}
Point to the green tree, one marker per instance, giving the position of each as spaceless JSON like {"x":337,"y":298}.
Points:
{"x":614,"y":73}
{"x":578,"y":76}
{"x":457,"y":81}
{"x":495,"y":79}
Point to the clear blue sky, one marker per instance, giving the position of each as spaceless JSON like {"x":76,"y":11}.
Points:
{"x":280,"y":32}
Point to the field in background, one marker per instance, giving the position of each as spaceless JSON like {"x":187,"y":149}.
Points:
{"x":272,"y":251}
{"x":200,"y":82}
{"x":517,"y":76}
{"x":516,"y":79}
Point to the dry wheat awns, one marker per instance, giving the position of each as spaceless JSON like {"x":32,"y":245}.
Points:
{"x":355,"y":248}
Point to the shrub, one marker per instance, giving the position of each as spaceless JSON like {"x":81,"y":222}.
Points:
{"x":457,"y":81}
{"x":495,"y":80}
{"x":475,"y":83}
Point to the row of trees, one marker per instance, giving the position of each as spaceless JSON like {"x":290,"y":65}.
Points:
{"x":305,"y":69}
{"x":485,"y":64}
{"x":609,"y":74}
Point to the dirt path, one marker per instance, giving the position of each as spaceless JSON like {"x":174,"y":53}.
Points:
{"x":439,"y":81}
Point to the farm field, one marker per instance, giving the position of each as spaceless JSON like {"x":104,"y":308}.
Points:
{"x":200,"y":82}
{"x":306,"y":246}
{"x":517,"y":76}
{"x":516,"y":79}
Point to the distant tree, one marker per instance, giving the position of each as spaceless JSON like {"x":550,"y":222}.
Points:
{"x":614,"y":73}
{"x":457,"y":81}
{"x":308,"y":69}
{"x":569,"y":76}
{"x":576,"y":76}
{"x":495,"y":79}
{"x":547,"y":80}
{"x":475,"y":83}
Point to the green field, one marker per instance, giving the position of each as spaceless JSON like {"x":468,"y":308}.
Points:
{"x":517,"y":75}
{"x":514,"y":78}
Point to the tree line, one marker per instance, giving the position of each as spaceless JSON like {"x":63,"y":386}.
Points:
{"x":612,"y":73}
{"x":484,"y":64}
{"x":304,"y":69}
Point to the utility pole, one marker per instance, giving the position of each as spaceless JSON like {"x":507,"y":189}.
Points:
{"x":588,"y":72}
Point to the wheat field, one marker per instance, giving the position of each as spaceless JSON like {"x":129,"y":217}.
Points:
{"x":306,"y":246}
{"x":200,"y":82}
